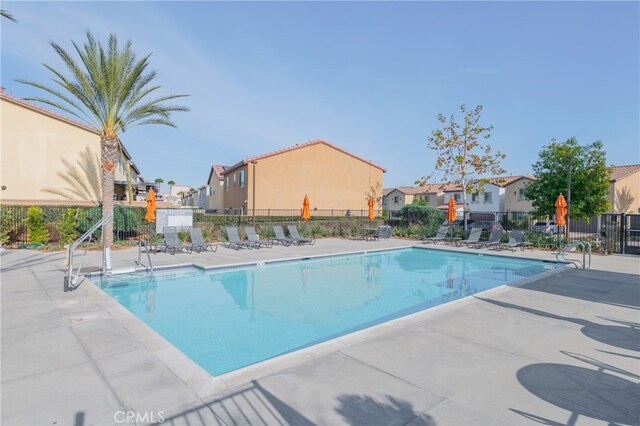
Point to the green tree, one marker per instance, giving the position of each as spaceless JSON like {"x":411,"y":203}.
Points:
{"x":67,"y":227}
{"x":460,"y":157}
{"x":170,"y":183}
{"x":37,"y":232}
{"x":590,"y":178}
{"x":159,"y":181}
{"x":109,"y":90}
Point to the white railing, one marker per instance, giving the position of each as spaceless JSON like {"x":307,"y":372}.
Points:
{"x":561,"y":256}
{"x":71,"y":279}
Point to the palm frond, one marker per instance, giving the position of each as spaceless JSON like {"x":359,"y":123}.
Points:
{"x":6,"y":14}
{"x":106,"y":87}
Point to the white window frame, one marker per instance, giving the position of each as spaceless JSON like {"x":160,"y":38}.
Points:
{"x":226,"y":183}
{"x":488,"y":198}
{"x":241,"y":179}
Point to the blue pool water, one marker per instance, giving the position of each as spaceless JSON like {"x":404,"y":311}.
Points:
{"x":231,"y":318}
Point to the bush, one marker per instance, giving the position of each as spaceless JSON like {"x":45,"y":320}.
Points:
{"x":184,"y":236}
{"x":36,"y":229}
{"x":67,"y":227}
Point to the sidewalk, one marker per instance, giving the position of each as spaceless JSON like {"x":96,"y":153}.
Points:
{"x":562,"y":348}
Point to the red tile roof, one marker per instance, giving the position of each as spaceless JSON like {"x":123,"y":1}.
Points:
{"x":218,"y":169}
{"x":414,"y":190}
{"x":46,"y":111}
{"x":620,"y":172}
{"x":298,"y":146}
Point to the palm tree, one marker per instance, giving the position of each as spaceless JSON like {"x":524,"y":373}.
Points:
{"x":6,"y":14}
{"x":159,"y":181}
{"x":108,"y":90}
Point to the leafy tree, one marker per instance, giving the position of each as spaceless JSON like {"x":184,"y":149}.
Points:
{"x":414,"y":214}
{"x":109,"y":90}
{"x":460,"y":156}
{"x":159,"y":181}
{"x":6,"y":14}
{"x":374,"y":192}
{"x":67,"y":227}
{"x":590,"y":178}
{"x":37,"y":232}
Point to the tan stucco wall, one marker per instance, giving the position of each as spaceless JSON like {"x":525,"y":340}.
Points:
{"x":32,"y":147}
{"x":632,"y":182}
{"x":331,"y":179}
{"x":217,"y":188}
{"x":512,"y":201}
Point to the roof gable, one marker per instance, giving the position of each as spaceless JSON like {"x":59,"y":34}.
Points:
{"x":47,"y":112}
{"x":621,"y":172}
{"x":299,"y":146}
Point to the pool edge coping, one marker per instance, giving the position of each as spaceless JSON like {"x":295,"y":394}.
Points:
{"x":205,"y":384}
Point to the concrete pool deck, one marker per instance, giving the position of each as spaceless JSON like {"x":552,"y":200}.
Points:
{"x":563,"y":348}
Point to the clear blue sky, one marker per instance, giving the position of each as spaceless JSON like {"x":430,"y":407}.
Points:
{"x":369,"y":77}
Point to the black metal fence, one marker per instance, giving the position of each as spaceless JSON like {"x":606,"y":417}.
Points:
{"x":129,"y":222}
{"x":610,"y":233}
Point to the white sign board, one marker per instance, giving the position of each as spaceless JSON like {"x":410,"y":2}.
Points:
{"x":179,"y":218}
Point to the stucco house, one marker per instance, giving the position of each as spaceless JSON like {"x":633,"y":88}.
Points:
{"x":47,"y":158}
{"x":332,"y":178}
{"x":396,"y":198}
{"x":514,"y":199}
{"x":624,"y":189}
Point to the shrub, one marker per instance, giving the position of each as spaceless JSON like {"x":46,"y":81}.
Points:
{"x":67,"y":227}
{"x":36,"y":230}
{"x":413,"y":214}
{"x":184,"y":236}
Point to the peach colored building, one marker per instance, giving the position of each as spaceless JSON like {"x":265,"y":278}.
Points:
{"x":624,"y":189}
{"x":46,"y":158}
{"x":396,"y":198}
{"x":332,"y":178}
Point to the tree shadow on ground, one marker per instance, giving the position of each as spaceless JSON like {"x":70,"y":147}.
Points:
{"x":613,"y":335}
{"x":583,"y":392}
{"x":365,"y":410}
{"x":588,"y":285}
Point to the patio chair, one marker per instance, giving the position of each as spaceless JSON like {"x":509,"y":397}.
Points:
{"x":172,"y":242}
{"x":253,"y":236}
{"x":473,"y":238}
{"x":234,"y":240}
{"x":516,"y":239}
{"x":441,"y":235}
{"x":198,"y":243}
{"x":280,"y":238}
{"x":293,"y":232}
{"x":493,"y":241}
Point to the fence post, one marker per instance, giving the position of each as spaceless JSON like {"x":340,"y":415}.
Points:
{"x":623,"y":232}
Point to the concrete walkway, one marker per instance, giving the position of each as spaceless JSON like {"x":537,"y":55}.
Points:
{"x":560,"y":349}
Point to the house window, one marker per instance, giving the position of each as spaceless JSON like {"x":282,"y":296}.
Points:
{"x":428,"y":198}
{"x":384,"y":201}
{"x":456,"y":197}
{"x":396,"y":199}
{"x":487,"y":197}
{"x":521,"y":194}
{"x":474,"y":197}
{"x":226,"y":183}
{"x":241,"y":179}
{"x":234,"y":180}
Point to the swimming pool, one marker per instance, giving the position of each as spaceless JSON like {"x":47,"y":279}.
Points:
{"x":230,"y":318}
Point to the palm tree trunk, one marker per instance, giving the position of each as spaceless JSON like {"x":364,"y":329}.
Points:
{"x":109,"y":159}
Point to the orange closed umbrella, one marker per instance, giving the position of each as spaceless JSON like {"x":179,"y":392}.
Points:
{"x":561,"y":210}
{"x":151,"y":206}
{"x":370,"y":202}
{"x":305,"y":208}
{"x":451,"y":210}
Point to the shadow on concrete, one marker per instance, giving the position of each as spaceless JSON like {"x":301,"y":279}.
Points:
{"x":33,"y":260}
{"x":613,"y":335}
{"x":590,"y":285}
{"x":365,"y":410}
{"x":252,"y":404}
{"x":583,"y":392}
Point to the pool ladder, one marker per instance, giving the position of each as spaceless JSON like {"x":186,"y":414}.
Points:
{"x":561,"y":256}
{"x":149,"y":266}
{"x":72,"y":278}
